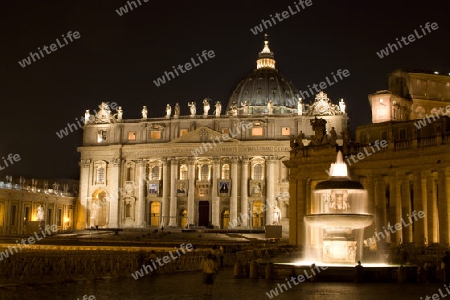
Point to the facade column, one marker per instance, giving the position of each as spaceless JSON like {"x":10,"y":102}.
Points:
{"x":165,"y":194}
{"x":173,"y":192}
{"x":270,"y":190}
{"x":420,"y":204}
{"x":234,"y":189}
{"x":140,"y":211}
{"x":244,"y":192}
{"x":443,"y":211}
{"x":433,"y":218}
{"x":113,"y":185}
{"x":191,"y":191}
{"x":82,"y":200}
{"x":215,"y":198}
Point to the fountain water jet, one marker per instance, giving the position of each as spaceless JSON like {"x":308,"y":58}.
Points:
{"x":338,"y":215}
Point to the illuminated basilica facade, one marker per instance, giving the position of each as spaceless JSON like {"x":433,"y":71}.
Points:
{"x":411,"y":174}
{"x":209,"y":168}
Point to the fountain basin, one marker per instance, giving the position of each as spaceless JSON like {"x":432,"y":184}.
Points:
{"x":353,"y":221}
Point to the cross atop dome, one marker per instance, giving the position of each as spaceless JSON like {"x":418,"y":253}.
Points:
{"x":265,"y":57}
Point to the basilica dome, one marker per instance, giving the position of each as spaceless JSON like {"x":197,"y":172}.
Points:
{"x":265,"y":84}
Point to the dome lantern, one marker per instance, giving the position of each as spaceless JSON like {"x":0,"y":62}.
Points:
{"x":265,"y":57}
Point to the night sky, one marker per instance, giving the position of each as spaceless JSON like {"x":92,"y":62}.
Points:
{"x":116,"y":58}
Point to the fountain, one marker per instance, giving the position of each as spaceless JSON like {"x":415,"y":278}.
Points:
{"x":338,"y":215}
{"x":335,"y":221}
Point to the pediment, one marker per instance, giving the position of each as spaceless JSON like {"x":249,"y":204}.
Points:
{"x":200,"y":135}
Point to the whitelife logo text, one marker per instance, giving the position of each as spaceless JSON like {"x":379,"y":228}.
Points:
{"x":53,"y":47}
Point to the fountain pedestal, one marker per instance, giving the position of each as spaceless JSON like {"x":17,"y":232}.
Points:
{"x":339,"y":251}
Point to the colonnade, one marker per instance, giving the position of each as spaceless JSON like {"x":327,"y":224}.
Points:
{"x":394,"y":198}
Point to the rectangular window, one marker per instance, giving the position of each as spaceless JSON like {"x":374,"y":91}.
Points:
{"x":258,"y":131}
{"x":131,"y":136}
{"x":155,"y":135}
{"x":183,"y":132}
{"x":285,"y":131}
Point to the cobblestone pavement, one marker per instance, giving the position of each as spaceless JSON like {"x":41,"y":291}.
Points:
{"x":188,"y":286}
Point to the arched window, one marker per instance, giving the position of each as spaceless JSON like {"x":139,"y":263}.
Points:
{"x":183,"y":172}
{"x":226,"y":171}
{"x":204,"y":174}
{"x":257,"y":172}
{"x":155,"y":173}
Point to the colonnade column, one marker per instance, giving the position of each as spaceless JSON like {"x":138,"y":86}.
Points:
{"x":141,"y":195}
{"x":82,"y":203}
{"x":215,"y":199}
{"x":420,"y":204}
{"x":270,"y":191}
{"x":433,"y":218}
{"x":191,"y":191}
{"x":371,"y":204}
{"x":244,"y":192}
{"x":173,"y":192}
{"x":380,"y":204}
{"x":114,"y":170}
{"x":234,"y":189}
{"x":406,"y":211}
{"x":165,"y":194}
{"x":397,"y":197}
{"x":395,"y":211}
{"x":443,"y":209}
{"x":297,"y":210}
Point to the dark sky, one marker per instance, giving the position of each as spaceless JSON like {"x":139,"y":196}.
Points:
{"x":118,"y":57}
